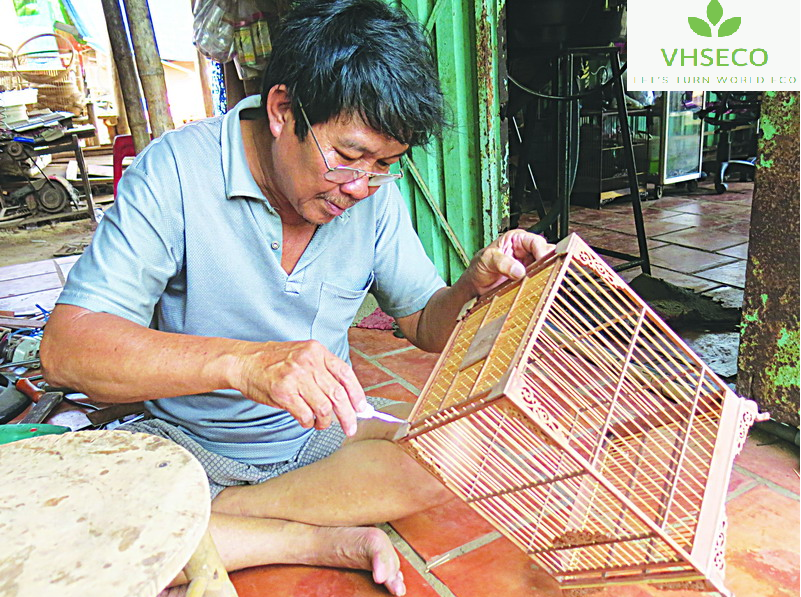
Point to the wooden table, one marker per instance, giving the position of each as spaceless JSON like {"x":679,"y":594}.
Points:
{"x":101,"y":513}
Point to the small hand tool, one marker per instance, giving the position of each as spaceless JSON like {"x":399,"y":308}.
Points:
{"x":115,"y":412}
{"x":30,"y":389}
{"x":31,"y":425}
{"x":371,"y":413}
{"x":12,"y":401}
{"x":45,"y":404}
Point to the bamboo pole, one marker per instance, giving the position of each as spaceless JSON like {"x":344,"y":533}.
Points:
{"x":205,"y":84}
{"x":203,"y":72}
{"x":122,"y":117}
{"x":126,"y":70}
{"x":148,"y":64}
{"x":234,"y":87}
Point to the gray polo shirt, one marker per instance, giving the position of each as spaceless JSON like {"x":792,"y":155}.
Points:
{"x":192,"y":246}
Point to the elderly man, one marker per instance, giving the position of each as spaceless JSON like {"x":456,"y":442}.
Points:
{"x":221,"y":285}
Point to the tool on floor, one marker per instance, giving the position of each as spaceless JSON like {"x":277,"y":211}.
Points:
{"x":12,"y":401}
{"x":27,"y":387}
{"x":18,"y":346}
{"x":371,"y":413}
{"x":16,"y":393}
{"x":28,"y":364}
{"x":108,"y":414}
{"x":45,"y":404}
{"x":31,"y":425}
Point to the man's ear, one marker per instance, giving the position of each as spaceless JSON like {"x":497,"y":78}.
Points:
{"x":279,"y":111}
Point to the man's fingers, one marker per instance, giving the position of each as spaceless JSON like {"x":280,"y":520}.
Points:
{"x":526,"y":246}
{"x":535,"y":245}
{"x":320,"y":401}
{"x":504,"y":264}
{"x":296,"y":406}
{"x":313,"y":385}
{"x":338,"y":401}
{"x":344,"y":374}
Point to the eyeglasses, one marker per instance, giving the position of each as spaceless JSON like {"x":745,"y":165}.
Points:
{"x":345,"y":174}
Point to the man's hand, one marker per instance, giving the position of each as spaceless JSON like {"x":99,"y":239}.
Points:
{"x":305,"y":379}
{"x":505,"y":258}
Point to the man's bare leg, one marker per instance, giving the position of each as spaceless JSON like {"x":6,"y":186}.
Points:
{"x":369,"y":480}
{"x":245,"y":542}
{"x":313,"y":515}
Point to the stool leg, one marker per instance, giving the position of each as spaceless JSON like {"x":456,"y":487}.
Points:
{"x":206,"y":573}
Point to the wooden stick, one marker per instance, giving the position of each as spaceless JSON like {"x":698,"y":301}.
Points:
{"x":205,"y":84}
{"x":202,"y":66}
{"x":126,"y":70}
{"x":122,"y":116}
{"x":148,"y":64}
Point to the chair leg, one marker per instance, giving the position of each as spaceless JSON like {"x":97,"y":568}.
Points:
{"x":206,"y":573}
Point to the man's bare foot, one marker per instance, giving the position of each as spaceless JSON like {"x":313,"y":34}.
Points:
{"x":366,"y":548}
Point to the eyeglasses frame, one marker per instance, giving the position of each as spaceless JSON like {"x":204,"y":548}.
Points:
{"x":383,"y":177}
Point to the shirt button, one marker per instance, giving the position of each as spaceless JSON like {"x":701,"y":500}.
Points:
{"x":275,"y":246}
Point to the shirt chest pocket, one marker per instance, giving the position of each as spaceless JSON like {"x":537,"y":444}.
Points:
{"x":337,"y":308}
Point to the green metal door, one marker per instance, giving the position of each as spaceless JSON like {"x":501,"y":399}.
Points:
{"x":456,"y":188}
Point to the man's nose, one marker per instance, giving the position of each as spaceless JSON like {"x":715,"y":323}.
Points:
{"x":356,"y":189}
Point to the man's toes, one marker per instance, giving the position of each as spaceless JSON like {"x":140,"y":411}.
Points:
{"x":396,"y":586}
{"x":383,"y":559}
{"x":380,"y":570}
{"x":385,"y":566}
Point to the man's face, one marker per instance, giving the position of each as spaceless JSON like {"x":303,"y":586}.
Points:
{"x":299,"y":168}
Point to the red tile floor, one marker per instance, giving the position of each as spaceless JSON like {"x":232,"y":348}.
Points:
{"x":698,"y":241}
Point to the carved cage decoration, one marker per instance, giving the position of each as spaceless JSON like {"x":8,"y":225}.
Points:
{"x":572,"y":418}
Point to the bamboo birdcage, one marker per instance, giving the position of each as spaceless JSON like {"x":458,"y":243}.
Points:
{"x":571,"y":417}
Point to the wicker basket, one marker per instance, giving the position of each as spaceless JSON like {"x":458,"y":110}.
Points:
{"x":9,"y":78}
{"x":59,"y":61}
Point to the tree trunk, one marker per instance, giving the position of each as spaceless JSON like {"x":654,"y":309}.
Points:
{"x":769,"y":341}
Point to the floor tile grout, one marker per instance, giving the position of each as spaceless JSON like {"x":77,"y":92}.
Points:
{"x":417,"y":562}
{"x":389,"y":353}
{"x":694,"y":247}
{"x":462,"y":549}
{"x":741,"y":490}
{"x":397,"y":378}
{"x":768,"y":483}
{"x":380,"y":385}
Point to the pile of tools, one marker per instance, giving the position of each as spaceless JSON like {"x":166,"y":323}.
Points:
{"x":22,"y":388}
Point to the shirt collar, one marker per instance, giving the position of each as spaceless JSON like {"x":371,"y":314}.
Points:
{"x":239,"y":182}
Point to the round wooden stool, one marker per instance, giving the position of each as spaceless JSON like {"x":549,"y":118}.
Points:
{"x":104,"y":513}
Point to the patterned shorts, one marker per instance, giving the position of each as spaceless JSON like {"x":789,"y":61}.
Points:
{"x":225,"y":472}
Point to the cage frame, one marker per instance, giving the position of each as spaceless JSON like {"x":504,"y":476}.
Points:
{"x":512,"y":393}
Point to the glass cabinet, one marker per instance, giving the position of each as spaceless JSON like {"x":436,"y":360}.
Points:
{"x":680,"y":134}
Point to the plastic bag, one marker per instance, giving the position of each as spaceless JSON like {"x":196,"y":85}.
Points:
{"x":214,"y":28}
{"x":252,"y":43}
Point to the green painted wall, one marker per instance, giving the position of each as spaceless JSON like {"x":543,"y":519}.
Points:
{"x":456,"y":188}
